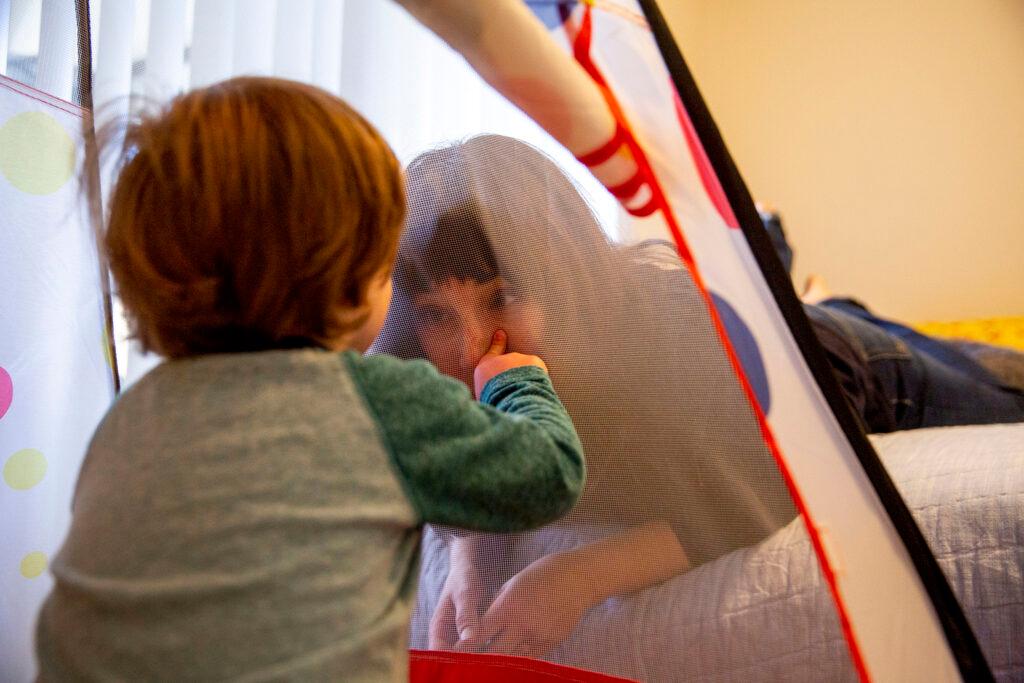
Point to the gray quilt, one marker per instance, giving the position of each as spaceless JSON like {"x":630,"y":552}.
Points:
{"x":764,"y":613}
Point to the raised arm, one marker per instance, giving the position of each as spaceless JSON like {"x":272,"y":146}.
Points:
{"x":537,"y":76}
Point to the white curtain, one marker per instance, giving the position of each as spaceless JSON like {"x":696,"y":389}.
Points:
{"x":414,"y":88}
{"x":5,"y":34}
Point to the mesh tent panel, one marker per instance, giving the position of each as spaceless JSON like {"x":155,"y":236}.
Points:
{"x":670,"y":436}
{"x":686,"y":198}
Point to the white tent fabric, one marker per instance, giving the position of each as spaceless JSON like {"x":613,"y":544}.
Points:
{"x":870,"y":563}
{"x":55,"y":379}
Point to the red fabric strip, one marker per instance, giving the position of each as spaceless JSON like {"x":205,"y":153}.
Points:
{"x":629,"y":188}
{"x":432,"y":666}
{"x":605,"y":151}
{"x":708,"y":178}
{"x":581,"y":51}
{"x":647,"y":209}
{"x":40,"y":96}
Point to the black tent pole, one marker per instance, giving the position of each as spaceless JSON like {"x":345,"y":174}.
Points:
{"x":89,"y":137}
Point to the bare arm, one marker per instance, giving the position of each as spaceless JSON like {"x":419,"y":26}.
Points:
{"x":627,"y":562}
{"x":541,"y":606}
{"x":511,"y":49}
{"x":536,"y":75}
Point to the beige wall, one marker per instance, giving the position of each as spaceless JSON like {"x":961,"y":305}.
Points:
{"x":889,"y":133}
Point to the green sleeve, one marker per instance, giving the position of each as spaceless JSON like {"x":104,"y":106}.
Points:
{"x":510,"y":462}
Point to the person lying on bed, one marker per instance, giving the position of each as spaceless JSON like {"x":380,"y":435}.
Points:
{"x":897,"y":378}
{"x":678,"y":473}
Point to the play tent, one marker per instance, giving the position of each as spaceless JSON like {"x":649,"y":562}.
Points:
{"x":713,"y":424}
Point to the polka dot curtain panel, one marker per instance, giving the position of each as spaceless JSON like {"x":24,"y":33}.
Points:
{"x":55,"y":379}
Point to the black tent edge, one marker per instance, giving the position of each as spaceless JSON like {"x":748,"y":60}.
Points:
{"x":961,"y":639}
{"x":84,"y":32}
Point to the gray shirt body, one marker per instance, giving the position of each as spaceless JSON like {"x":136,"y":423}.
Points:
{"x":256,"y":517}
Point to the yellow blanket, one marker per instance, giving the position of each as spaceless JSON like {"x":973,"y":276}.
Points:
{"x":1001,"y":331}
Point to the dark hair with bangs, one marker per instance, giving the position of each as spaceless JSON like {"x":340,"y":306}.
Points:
{"x":459,"y":227}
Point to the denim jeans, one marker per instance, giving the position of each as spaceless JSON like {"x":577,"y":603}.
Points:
{"x":897,"y":378}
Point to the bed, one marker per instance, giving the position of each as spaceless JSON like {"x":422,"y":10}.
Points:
{"x":996,"y":343}
{"x":763,"y":613}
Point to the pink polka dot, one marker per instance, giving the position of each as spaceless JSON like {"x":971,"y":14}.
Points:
{"x":6,"y":391}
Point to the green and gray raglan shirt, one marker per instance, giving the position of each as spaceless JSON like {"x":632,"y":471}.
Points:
{"x":257,"y":516}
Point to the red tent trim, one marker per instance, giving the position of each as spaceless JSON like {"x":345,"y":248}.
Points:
{"x":434,"y":666}
{"x":712,"y":187}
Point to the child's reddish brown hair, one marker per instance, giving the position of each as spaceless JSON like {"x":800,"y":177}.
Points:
{"x":251,"y":214}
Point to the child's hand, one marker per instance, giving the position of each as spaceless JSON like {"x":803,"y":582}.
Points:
{"x":496,"y":361}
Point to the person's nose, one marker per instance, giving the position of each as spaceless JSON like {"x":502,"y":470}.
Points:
{"x":476,"y":339}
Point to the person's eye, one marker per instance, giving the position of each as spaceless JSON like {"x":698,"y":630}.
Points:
{"x":431,"y":315}
{"x":504,"y":297}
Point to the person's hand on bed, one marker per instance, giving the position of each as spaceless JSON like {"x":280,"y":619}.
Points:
{"x":457,"y":616}
{"x":540,"y":606}
{"x":535,"y":610}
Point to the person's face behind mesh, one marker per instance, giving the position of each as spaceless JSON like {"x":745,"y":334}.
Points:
{"x":456,"y":319}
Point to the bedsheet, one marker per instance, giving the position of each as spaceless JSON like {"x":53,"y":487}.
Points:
{"x":764,"y":612}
